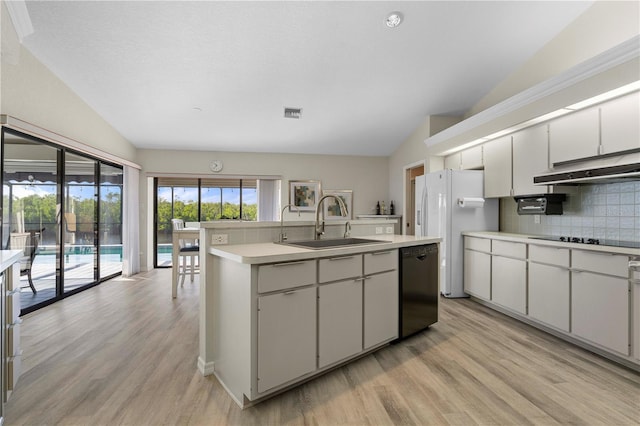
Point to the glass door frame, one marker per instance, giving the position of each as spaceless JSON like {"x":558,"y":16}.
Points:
{"x":61,"y":208}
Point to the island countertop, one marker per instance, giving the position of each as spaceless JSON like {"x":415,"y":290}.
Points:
{"x":260,"y":253}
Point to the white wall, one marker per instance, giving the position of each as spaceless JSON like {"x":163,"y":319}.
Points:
{"x":604,"y":25}
{"x":31,"y":92}
{"x":367,"y":177}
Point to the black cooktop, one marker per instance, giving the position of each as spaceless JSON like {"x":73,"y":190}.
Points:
{"x":597,"y":241}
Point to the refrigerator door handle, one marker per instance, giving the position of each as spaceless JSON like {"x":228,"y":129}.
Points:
{"x":425,"y":206}
{"x":419,"y":216}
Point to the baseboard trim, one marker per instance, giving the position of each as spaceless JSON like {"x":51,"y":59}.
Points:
{"x":205,"y":368}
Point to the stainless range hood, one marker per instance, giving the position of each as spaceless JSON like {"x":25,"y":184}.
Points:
{"x":605,"y":170}
{"x":612,"y":173}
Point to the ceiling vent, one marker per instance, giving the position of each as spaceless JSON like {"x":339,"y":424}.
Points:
{"x":292,"y":112}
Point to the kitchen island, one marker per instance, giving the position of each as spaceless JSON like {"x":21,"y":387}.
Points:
{"x":275,"y":315}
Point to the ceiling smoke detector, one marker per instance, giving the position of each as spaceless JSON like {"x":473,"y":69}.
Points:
{"x":292,"y":112}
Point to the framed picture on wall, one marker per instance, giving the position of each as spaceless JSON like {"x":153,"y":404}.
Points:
{"x":304,"y":194}
{"x":332,"y":208}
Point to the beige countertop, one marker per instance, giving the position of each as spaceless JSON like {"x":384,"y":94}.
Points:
{"x":273,"y":252}
{"x":9,"y":257}
{"x":531,"y":239}
{"x":288,"y":223}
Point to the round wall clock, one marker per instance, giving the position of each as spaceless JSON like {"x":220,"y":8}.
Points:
{"x":216,"y":166}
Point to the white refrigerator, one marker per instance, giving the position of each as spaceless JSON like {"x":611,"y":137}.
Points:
{"x":449,"y":202}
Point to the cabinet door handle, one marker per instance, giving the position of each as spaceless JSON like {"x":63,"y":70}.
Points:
{"x":287,"y":293}
{"x":380,"y":252}
{"x":287,"y":264}
{"x":331,"y":259}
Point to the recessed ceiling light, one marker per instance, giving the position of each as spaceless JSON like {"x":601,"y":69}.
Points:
{"x":394,"y":19}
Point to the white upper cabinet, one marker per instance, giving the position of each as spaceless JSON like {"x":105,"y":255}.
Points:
{"x":574,"y":136}
{"x":471,"y":158}
{"x":530,"y":157}
{"x":620,"y":121}
{"x":497,"y":167}
{"x":452,"y":161}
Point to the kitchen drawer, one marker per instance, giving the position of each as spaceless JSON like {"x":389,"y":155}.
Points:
{"x":338,"y":268}
{"x":14,"y":368}
{"x":480,"y":244}
{"x":551,"y":255}
{"x":13,"y":339}
{"x":604,"y":263}
{"x":380,"y":261}
{"x":509,"y":249}
{"x":13,"y":306}
{"x":281,"y":276}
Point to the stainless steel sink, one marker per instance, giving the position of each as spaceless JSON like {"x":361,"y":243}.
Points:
{"x":333,"y":243}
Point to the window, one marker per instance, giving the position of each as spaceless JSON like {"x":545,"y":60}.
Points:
{"x":200,"y":200}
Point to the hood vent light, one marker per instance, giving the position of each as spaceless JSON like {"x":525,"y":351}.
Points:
{"x":292,"y":112}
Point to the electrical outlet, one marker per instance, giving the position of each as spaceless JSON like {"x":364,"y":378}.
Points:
{"x":378,"y":229}
{"x":536,"y":219}
{"x":219,"y":239}
{"x":389,"y":230}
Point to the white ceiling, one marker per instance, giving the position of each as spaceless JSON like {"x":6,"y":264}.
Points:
{"x":215,"y":76}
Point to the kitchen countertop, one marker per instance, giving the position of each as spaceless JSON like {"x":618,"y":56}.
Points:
{"x":260,"y":253}
{"x":532,"y":239}
{"x":9,"y":257}
{"x":287,"y":223}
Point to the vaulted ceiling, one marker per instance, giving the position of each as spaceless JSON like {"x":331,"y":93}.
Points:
{"x":216,"y":76}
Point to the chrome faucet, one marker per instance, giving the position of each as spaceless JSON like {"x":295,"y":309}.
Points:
{"x":283,"y":236}
{"x":347,"y":229}
{"x":319,"y":227}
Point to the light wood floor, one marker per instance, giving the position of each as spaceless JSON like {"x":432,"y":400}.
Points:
{"x":125,"y":353}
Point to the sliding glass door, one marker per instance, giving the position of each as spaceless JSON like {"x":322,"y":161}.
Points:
{"x":80,"y":222}
{"x":31,"y":204}
{"x":110,"y":220}
{"x":63,"y":209}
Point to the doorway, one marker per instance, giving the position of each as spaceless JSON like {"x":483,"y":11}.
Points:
{"x":410,"y":196}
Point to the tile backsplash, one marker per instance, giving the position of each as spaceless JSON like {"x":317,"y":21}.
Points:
{"x":607,"y":210}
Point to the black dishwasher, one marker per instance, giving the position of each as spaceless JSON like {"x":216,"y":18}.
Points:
{"x":419,"y":288}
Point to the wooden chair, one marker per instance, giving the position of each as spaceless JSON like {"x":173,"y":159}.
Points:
{"x":189,"y":254}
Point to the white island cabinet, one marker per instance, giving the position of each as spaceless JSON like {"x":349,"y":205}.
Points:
{"x":340,"y":308}
{"x":274,"y":315}
{"x":11,"y":353}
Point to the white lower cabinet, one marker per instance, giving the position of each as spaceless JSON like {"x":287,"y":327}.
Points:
{"x":509,"y":283}
{"x":286,"y":336}
{"x":600,"y":299}
{"x":600,"y":310}
{"x":380,"y":308}
{"x":477,"y":274}
{"x":549,"y":295}
{"x":339,"y":321}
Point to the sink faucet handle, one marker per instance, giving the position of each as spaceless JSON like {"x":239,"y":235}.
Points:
{"x":347,"y":229}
